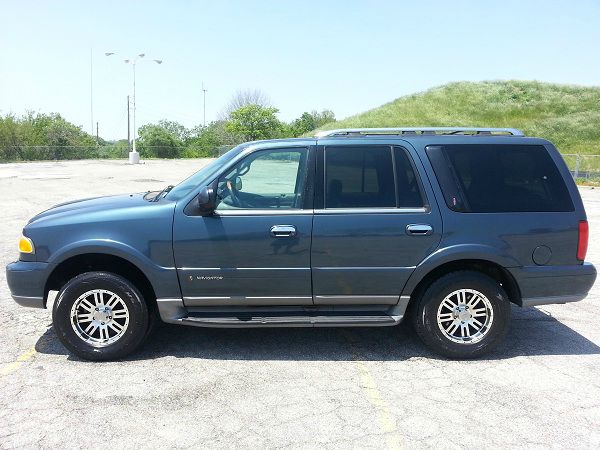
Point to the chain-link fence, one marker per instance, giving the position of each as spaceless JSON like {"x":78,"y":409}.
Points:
{"x":55,"y":153}
{"x":583,"y":167}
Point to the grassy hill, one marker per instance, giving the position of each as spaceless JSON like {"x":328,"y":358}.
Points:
{"x":567,"y":115}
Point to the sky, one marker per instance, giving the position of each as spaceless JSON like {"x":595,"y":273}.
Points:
{"x":346,"y":56}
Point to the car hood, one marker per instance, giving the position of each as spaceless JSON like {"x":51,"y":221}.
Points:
{"x":95,"y":204}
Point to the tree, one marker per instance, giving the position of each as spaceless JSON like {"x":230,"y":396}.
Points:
{"x":303,"y":125}
{"x":156,"y":142}
{"x":176,"y":129}
{"x":252,"y":122}
{"x":206,"y":141}
{"x":325,"y":116}
{"x":10,"y":138}
{"x":40,"y":136}
{"x":311,"y":121}
{"x":244,"y":98}
{"x":215,"y":129}
{"x":60,"y":133}
{"x":43,"y":136}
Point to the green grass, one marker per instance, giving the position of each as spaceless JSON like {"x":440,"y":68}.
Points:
{"x":567,"y":115}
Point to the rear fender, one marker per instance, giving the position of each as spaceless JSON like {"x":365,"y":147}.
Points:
{"x":453,"y":254}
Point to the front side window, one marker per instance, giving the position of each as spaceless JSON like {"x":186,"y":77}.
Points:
{"x":203,"y":175}
{"x":266,"y":179}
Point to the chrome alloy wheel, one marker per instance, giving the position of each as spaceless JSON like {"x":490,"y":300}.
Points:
{"x":99,"y":317}
{"x":465,"y":316}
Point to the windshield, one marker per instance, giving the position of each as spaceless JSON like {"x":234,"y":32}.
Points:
{"x":183,"y":188}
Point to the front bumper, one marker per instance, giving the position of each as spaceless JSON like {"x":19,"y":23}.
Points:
{"x":26,"y":281}
{"x":543,"y":285}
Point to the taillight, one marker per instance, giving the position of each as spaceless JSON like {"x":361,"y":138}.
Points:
{"x":582,"y":243}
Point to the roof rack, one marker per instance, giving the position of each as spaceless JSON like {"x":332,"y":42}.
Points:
{"x":463,"y":131}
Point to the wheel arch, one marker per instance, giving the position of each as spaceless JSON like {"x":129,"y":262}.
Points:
{"x":490,"y":268}
{"x":96,"y":261}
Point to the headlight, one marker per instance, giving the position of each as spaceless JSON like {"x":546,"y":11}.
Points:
{"x":26,"y":245}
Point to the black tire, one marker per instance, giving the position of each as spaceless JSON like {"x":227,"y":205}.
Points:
{"x":425,"y":314}
{"x":132,"y":337}
{"x":154,"y":323}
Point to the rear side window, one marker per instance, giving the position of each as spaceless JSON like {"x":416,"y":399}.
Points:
{"x":370,"y":177}
{"x":359,"y":177}
{"x":501,"y":178}
{"x":407,"y":184}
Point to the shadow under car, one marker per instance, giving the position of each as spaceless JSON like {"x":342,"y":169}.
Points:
{"x":532,"y":333}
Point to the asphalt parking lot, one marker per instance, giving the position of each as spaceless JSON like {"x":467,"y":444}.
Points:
{"x":292,"y":388}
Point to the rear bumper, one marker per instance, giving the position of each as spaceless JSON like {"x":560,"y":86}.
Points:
{"x":26,"y":281}
{"x":543,"y":285}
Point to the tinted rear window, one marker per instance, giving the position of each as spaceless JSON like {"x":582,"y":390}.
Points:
{"x":507,"y":178}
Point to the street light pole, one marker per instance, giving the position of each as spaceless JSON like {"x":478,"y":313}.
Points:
{"x":204,"y":92}
{"x":128,"y":127}
{"x":134,"y":156}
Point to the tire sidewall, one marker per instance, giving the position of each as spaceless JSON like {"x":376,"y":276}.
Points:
{"x":138,"y":315}
{"x":426,"y":320}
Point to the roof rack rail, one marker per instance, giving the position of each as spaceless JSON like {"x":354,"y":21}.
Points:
{"x":417,"y":131}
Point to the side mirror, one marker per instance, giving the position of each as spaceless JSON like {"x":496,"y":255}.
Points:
{"x":207,"y":201}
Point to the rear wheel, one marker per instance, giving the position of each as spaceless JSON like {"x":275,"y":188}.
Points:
{"x":462,"y":315}
{"x":100,"y":316}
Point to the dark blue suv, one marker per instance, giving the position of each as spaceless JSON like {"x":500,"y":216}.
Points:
{"x":361,"y":227}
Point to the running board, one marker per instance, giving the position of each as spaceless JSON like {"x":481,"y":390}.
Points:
{"x":288,"y":321}
{"x":173,"y":311}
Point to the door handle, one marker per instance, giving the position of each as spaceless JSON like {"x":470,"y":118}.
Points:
{"x":283,"y":231}
{"x":419,"y":229}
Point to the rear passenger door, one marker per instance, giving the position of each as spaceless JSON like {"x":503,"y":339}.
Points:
{"x":375,"y":220}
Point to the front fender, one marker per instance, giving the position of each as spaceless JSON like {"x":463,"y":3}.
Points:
{"x":456,"y":253}
{"x":163,"y":279}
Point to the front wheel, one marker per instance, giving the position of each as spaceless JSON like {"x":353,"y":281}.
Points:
{"x":100,"y":316}
{"x":462,"y":315}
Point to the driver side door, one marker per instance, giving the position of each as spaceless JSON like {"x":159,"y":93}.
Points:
{"x":255,"y":248}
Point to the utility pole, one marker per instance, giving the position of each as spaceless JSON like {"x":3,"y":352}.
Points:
{"x":97,"y":140}
{"x":204,"y":92}
{"x":92,"y":90}
{"x":128,"y":127}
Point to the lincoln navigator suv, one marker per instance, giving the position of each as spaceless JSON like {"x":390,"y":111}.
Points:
{"x":352,"y":228}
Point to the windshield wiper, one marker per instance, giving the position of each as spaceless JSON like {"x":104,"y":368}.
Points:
{"x":164,"y":192}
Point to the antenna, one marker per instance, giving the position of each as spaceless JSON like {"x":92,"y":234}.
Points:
{"x":204,"y":93}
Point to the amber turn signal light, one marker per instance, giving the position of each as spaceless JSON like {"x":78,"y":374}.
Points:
{"x":26,"y":245}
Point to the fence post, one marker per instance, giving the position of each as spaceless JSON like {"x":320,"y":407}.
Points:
{"x":576,"y":174}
